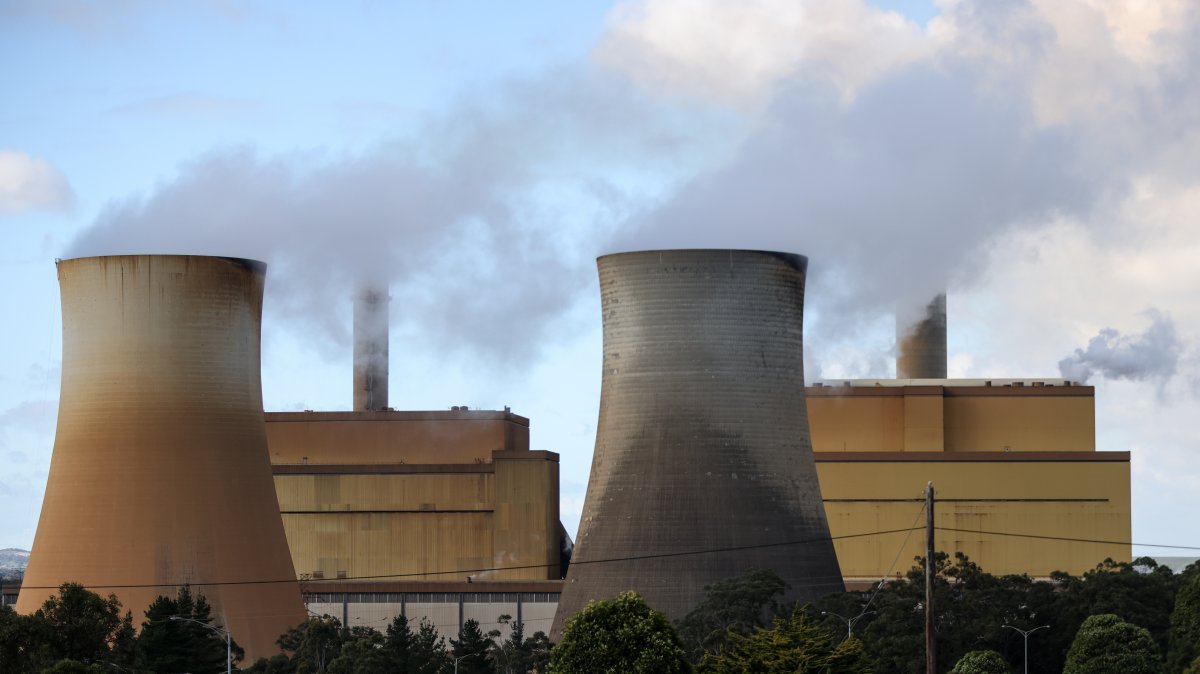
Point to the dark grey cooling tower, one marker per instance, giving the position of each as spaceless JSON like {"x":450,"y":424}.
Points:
{"x":703,"y":467}
{"x":922,"y":344}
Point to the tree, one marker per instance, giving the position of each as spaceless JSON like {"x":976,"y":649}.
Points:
{"x":1106,"y":644}
{"x":471,"y":649}
{"x":736,"y":605}
{"x":982,"y":662}
{"x":77,"y":624}
{"x":517,"y":654}
{"x":171,"y":642}
{"x":362,"y":652}
{"x":1185,"y":626}
{"x":1141,"y":592}
{"x":795,"y":644}
{"x":427,"y":654}
{"x":68,"y":666}
{"x":620,"y":635}
{"x":19,"y":649}
{"x":317,"y":642}
{"x":398,"y":644}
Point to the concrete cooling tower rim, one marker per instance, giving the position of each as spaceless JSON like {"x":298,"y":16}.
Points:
{"x":795,"y":260}
{"x":257,"y":266}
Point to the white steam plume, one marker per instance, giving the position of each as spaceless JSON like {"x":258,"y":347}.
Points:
{"x":455,"y":221}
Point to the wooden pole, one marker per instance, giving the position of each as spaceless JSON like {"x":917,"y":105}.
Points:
{"x":930,"y":644}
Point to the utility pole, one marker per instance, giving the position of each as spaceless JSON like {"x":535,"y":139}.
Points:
{"x":930,"y":645}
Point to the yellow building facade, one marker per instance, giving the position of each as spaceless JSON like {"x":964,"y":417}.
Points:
{"x":384,"y":495}
{"x":1013,"y":463}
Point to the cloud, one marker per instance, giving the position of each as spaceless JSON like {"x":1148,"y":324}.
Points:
{"x":739,"y":52}
{"x":29,"y":184}
{"x":899,"y":180}
{"x":1153,"y":354}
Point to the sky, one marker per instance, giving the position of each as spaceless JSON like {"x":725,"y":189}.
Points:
{"x":1035,"y":159}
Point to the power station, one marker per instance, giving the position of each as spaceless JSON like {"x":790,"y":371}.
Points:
{"x":712,"y":456}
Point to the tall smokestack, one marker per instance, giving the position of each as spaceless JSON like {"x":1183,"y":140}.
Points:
{"x":922,"y":343}
{"x":370,"y":349}
{"x":703,"y":466}
{"x":160,"y":475}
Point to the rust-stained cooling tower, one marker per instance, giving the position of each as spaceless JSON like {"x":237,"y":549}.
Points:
{"x":703,"y":467}
{"x":160,"y":474}
{"x":370,"y":349}
{"x":922,"y":343}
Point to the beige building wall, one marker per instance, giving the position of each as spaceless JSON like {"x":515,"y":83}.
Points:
{"x":415,"y":496}
{"x":931,"y":418}
{"x":1004,"y":459}
{"x":438,"y":437}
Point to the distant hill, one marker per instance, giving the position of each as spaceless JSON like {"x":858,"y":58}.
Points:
{"x":13,"y":559}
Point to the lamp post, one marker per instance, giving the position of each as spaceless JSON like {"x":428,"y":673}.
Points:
{"x":849,"y":621}
{"x":1026,"y":633}
{"x":218,"y":630}
{"x":460,"y":658}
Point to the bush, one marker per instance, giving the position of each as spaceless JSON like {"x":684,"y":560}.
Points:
{"x":619,"y":636}
{"x":1105,"y":644}
{"x":981,"y":662}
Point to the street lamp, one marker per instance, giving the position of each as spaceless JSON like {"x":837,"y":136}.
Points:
{"x":218,"y":630}
{"x":1026,"y":633}
{"x":849,"y":621}
{"x":460,"y":658}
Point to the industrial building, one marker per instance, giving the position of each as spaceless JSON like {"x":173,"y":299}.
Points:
{"x":1014,"y":464}
{"x":1005,"y":456}
{"x":450,"y":515}
{"x":449,"y":512}
{"x":445,"y":515}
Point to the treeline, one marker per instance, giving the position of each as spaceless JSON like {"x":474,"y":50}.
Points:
{"x":80,"y":632}
{"x":1120,"y":618}
{"x":324,"y":645}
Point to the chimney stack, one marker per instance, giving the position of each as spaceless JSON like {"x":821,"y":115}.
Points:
{"x":371,"y":349}
{"x":922,"y":343}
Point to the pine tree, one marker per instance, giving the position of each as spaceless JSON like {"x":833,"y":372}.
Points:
{"x":471,"y":649}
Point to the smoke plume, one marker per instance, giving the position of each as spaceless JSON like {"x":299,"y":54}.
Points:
{"x":1151,"y":355}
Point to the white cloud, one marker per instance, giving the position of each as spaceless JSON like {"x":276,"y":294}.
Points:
{"x":28,"y":183}
{"x":739,"y":52}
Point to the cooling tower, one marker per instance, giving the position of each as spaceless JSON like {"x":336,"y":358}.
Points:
{"x":703,"y":467}
{"x":922,"y":343}
{"x":370,"y":349}
{"x":160,"y":475}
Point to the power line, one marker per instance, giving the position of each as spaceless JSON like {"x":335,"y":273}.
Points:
{"x":899,"y":552}
{"x":1068,"y":539}
{"x":461,"y":572}
{"x":663,"y":555}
